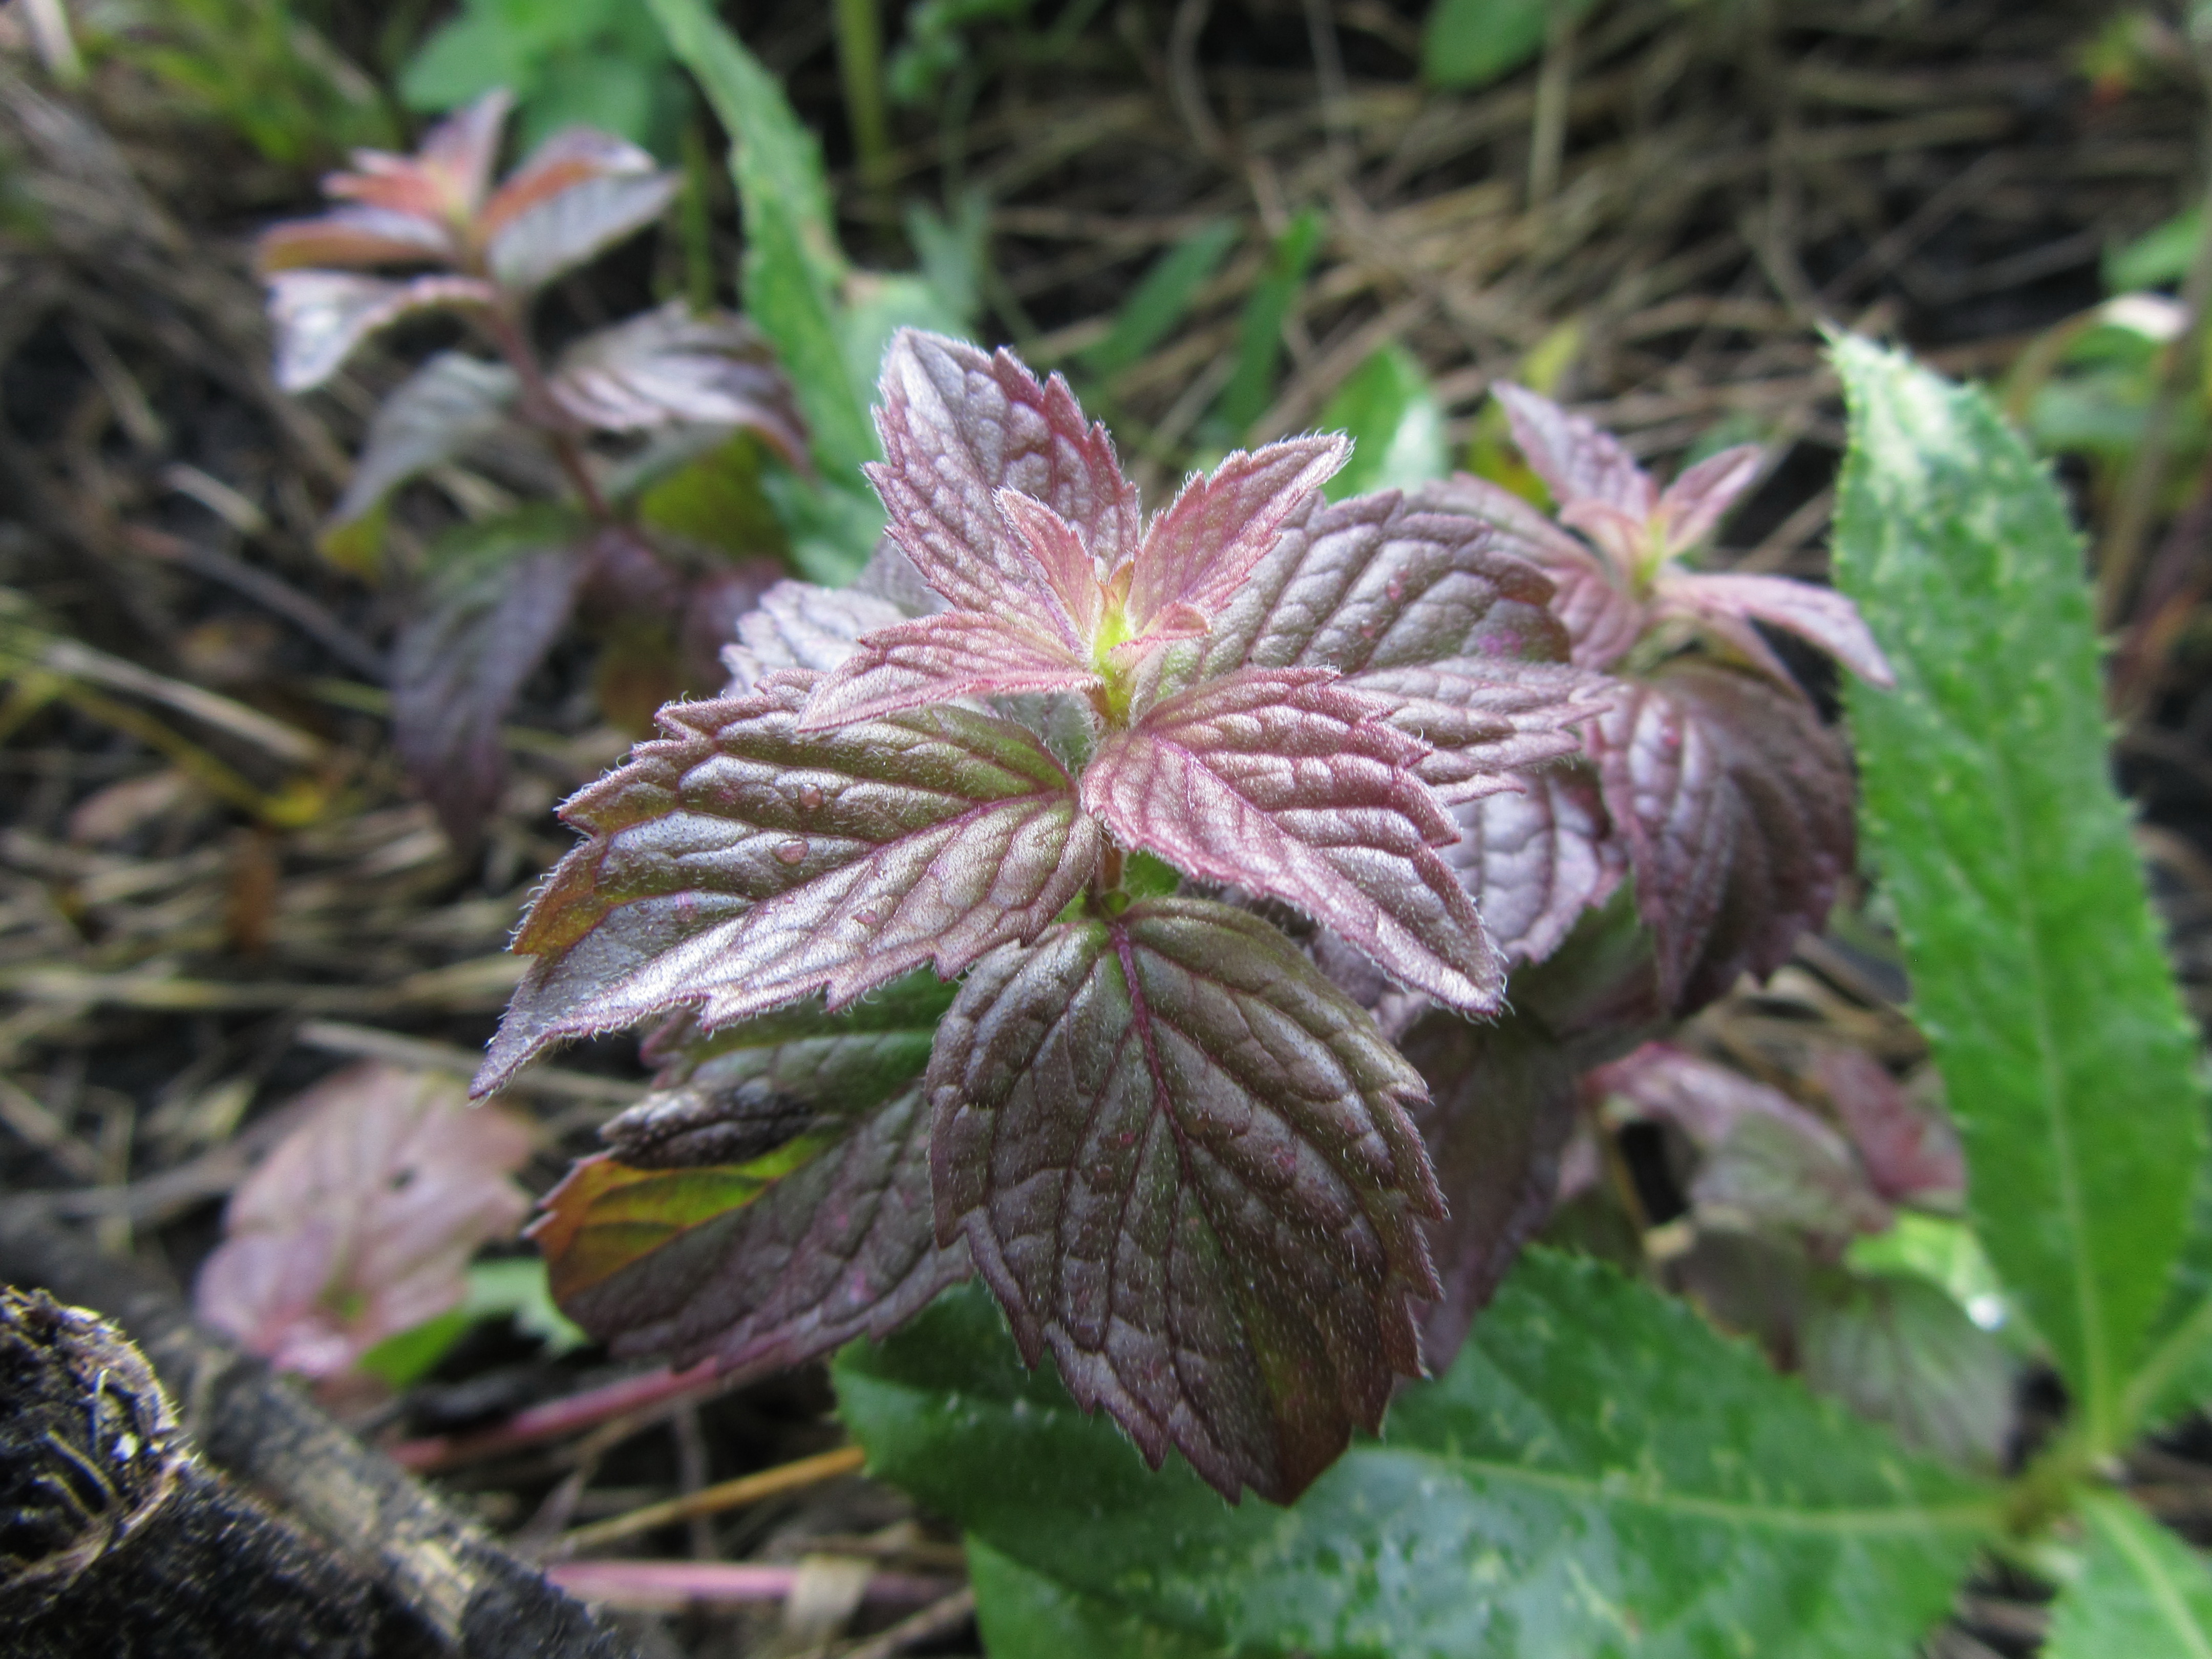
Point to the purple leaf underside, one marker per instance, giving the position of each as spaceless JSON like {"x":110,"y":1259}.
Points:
{"x":1729,"y":604}
{"x":1734,"y":802}
{"x":841,"y":1247}
{"x":931,"y":659}
{"x":1692,"y":507}
{"x":959,"y":426}
{"x":1534,"y":862}
{"x":800,"y":625}
{"x":433,"y":415}
{"x":456,"y":669}
{"x":742,"y":862}
{"x":321,"y":316}
{"x":669,"y":365}
{"x":1373,"y":583}
{"x":1286,"y":784}
{"x":1182,"y":1161}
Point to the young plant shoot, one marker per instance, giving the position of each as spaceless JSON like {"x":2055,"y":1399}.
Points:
{"x":1183,"y":799}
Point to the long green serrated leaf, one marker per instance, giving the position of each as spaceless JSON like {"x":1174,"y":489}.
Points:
{"x":1599,"y":1475}
{"x":792,"y":266}
{"x":2141,"y":1591}
{"x":2036,"y":965}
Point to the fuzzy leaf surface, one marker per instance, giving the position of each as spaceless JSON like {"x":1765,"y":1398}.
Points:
{"x":1486,"y":720}
{"x":770,"y":1199}
{"x":2140,"y":1589}
{"x":1534,"y":861}
{"x":460,"y":663}
{"x":1578,"y":460}
{"x":931,"y":659}
{"x":1736,"y":805}
{"x":1182,"y":1159}
{"x":1198,"y":552}
{"x":801,"y":625}
{"x":1598,"y":1476}
{"x":668,"y":365}
{"x":565,"y":229}
{"x":432,"y":415}
{"x":742,"y":862}
{"x":957,"y":427}
{"x":1819,"y":615}
{"x":1289,"y":785}
{"x":321,"y":316}
{"x":2069,"y":1064}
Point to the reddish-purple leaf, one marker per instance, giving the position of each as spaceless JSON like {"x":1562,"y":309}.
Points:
{"x":1487,"y":720}
{"x":1501,"y":1106}
{"x":800,"y":625}
{"x":959,"y":426}
{"x":572,"y":156}
{"x":1767,"y":1161}
{"x":809,"y":1224}
{"x":360,"y":1225}
{"x":1728,"y":603}
{"x":1578,"y":461}
{"x":321,"y":316}
{"x":1691,"y":506}
{"x":1289,"y":785}
{"x":1071,"y":573}
{"x":668,"y":365}
{"x":1534,"y":862}
{"x":1199,"y":552}
{"x":435,"y":414}
{"x":353,"y":236}
{"x":1909,"y":1148}
{"x":460,"y":663}
{"x":955,"y":653}
{"x":1373,"y":583}
{"x":562,"y":232}
{"x":1734,"y":802}
{"x":1182,"y":1161}
{"x":1602,"y":617}
{"x":742,"y":862}
{"x":444,"y":181}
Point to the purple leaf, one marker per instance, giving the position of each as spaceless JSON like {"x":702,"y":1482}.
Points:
{"x":1578,"y":461}
{"x":562,"y":231}
{"x":1199,"y":552}
{"x":1602,"y":617}
{"x":958,"y":426}
{"x":1819,"y":614}
{"x":1734,"y":802}
{"x":668,"y":365}
{"x":433,"y":415}
{"x":741,"y":862}
{"x":1693,"y":505}
{"x":800,"y":625}
{"x":1374,"y":582}
{"x":361,"y":1224}
{"x":321,"y":316}
{"x":442,"y":182}
{"x":355,"y":236}
{"x":572,"y":156}
{"x":1535,"y":861}
{"x":1896,"y":1348}
{"x":956,"y":654}
{"x":1909,"y":1149}
{"x":1487,"y":720}
{"x":458,"y":665}
{"x":1183,"y":1162}
{"x":1071,"y":573}
{"x":814,"y":1228}
{"x":1291,"y":787}
{"x":1502,"y":1104}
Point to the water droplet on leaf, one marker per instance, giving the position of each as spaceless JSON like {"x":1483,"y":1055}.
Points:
{"x":790,"y":852}
{"x":810,"y":798}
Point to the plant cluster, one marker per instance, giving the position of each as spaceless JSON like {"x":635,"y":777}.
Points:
{"x":503,"y":589}
{"x":1183,"y":799}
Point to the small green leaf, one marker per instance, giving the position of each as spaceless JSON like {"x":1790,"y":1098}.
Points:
{"x":2036,"y":965}
{"x":1599,"y":1475}
{"x":1471,"y":43}
{"x":406,"y":1358}
{"x":1396,"y":425}
{"x":516,"y":1285}
{"x":1162,"y":299}
{"x":2141,"y":1591}
{"x":2156,"y":257}
{"x":1024,"y":1614}
{"x":792,"y":266}
{"x":1259,"y":331}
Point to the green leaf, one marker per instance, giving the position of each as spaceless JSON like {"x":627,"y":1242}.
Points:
{"x":1024,"y":1614}
{"x":2157,"y":257}
{"x":1397,"y":426}
{"x":1259,"y":331}
{"x":1599,"y":1475}
{"x":2036,"y":965}
{"x":1162,"y":299}
{"x":793,"y":267}
{"x":1471,"y":43}
{"x":2141,"y":1590}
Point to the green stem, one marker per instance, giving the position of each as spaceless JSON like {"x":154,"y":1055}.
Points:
{"x":861,"y":58}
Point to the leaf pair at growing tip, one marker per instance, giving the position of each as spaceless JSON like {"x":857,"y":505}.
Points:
{"x":1179,"y":1153}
